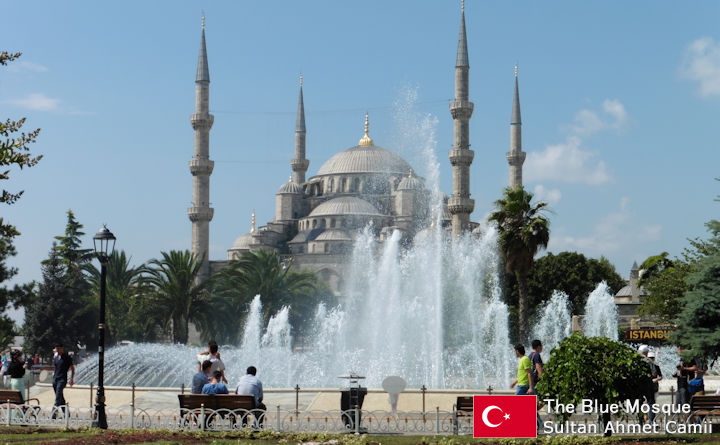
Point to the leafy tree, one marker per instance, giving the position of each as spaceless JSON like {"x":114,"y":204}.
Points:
{"x":665,"y":287}
{"x":261,"y":272}
{"x":572,"y":273}
{"x":14,"y":151}
{"x":55,"y":314}
{"x":179,"y":298}
{"x":698,"y":322}
{"x":523,"y":231}
{"x":594,"y":368}
{"x":127,"y":315}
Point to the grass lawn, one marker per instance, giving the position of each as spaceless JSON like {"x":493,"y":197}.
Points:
{"x":35,"y":436}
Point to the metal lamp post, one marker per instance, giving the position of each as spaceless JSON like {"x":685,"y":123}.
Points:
{"x":104,"y":243}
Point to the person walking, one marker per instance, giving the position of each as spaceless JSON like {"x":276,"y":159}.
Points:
{"x":656,"y":377}
{"x":536,"y":371}
{"x":63,"y":363}
{"x":524,"y":374}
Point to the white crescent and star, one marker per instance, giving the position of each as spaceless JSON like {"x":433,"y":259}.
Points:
{"x":485,"y":413}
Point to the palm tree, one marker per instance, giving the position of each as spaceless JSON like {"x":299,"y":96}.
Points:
{"x":176,"y":293}
{"x":262,"y":272}
{"x":127,"y":316}
{"x":523,"y":231}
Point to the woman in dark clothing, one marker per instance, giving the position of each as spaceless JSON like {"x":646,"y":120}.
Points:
{"x":16,"y":371}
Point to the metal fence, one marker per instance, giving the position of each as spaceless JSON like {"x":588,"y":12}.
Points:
{"x":280,"y":420}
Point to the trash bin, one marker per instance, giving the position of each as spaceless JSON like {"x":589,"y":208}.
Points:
{"x":350,"y":398}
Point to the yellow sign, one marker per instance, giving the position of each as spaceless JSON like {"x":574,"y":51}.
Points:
{"x":648,"y":334}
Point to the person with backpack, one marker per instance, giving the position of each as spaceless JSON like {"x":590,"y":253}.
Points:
{"x":536,"y":371}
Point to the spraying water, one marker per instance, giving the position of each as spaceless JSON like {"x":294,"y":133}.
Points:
{"x":601,"y":314}
{"x":554,"y":323}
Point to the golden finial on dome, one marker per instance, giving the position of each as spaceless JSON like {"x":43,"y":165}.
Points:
{"x":365,"y":140}
{"x":290,"y":178}
{"x":411,"y":173}
{"x":252,"y":228}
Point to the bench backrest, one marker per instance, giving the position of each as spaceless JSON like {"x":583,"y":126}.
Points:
{"x":217,"y":401}
{"x":12,"y":396}
{"x":464,"y":403}
{"x":235,"y":401}
{"x":705,"y":402}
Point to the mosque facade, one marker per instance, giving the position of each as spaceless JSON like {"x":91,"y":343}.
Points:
{"x":365,"y":187}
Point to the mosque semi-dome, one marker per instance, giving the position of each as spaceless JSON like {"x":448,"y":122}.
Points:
{"x":410,"y":182}
{"x":345,"y":205}
{"x":243,"y":242}
{"x":290,"y":187}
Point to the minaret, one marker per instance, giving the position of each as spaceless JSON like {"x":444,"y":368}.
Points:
{"x":300,"y":164}
{"x":516,"y":157}
{"x":201,"y":166}
{"x":460,"y":205}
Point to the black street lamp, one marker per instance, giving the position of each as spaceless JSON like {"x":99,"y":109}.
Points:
{"x":104,"y":242}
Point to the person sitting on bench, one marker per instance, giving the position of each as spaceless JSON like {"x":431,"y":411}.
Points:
{"x":216,"y":386}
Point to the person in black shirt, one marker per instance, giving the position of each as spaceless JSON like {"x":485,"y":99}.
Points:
{"x":16,"y":371}
{"x":63,"y":363}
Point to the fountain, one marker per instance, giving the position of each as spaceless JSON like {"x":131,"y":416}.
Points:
{"x":601,"y":314}
{"x":554,"y":323}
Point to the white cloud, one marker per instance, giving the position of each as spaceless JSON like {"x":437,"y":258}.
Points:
{"x":37,"y":102}
{"x":616,"y":109}
{"x":702,"y":64}
{"x":610,"y":234}
{"x":569,"y":161}
{"x":566,"y":162}
{"x":25,"y":66}
{"x":550,"y":196}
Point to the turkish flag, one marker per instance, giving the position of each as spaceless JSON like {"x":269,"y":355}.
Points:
{"x":504,"y":416}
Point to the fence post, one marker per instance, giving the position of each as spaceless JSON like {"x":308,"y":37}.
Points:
{"x":357,"y":420}
{"x":672,"y":395}
{"x":132,"y":407}
{"x":182,"y":389}
{"x":424,"y":390}
{"x":297,"y":399}
{"x":67,"y":415}
{"x":91,"y":394}
{"x":437,"y":420}
{"x":277,"y":420}
{"x":202,"y":414}
{"x":8,"y":413}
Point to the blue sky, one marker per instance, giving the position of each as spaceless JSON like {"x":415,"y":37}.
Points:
{"x":620,"y":102}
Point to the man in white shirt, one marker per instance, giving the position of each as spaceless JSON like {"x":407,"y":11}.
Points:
{"x":249,"y":384}
{"x":214,"y":357}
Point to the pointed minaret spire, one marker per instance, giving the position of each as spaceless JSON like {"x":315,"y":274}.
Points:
{"x":462,"y":51}
{"x":201,"y":166}
{"x":460,"y":205}
{"x":516,"y":102}
{"x":203,"y":73}
{"x":252,"y":222}
{"x":516,"y":157}
{"x":299,"y":164}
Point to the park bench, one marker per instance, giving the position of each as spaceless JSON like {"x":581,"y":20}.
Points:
{"x":463,"y":408}
{"x":17,"y":402}
{"x":14,"y":397}
{"x":193,"y":405}
{"x":704,"y":407}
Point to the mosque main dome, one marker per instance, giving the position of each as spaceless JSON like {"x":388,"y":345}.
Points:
{"x":365,"y":159}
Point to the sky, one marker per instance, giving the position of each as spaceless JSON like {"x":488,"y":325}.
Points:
{"x":620,"y":102}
